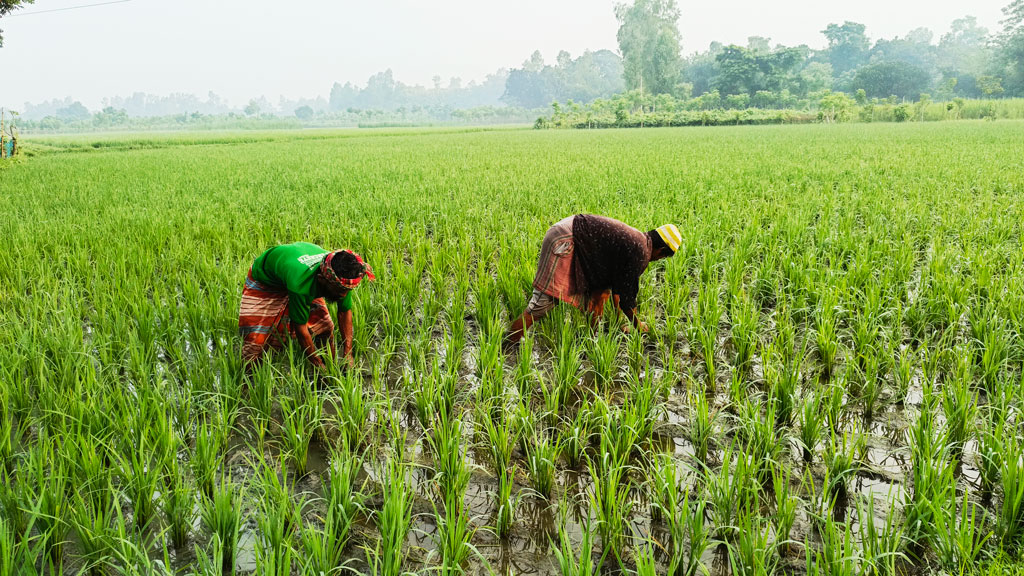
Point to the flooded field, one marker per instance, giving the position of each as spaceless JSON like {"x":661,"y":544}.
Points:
{"x":831,"y":381}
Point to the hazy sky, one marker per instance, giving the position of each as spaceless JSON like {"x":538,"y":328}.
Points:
{"x":246,"y":48}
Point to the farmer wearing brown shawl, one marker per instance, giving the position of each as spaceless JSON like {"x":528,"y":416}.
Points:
{"x":286,"y":291}
{"x":584,"y":259}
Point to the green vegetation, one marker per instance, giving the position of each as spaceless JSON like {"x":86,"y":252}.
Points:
{"x":831,"y":382}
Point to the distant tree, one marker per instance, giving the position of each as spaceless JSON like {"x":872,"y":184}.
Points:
{"x":738,"y":70}
{"x":1010,"y":43}
{"x":701,"y":69}
{"x":110,"y":116}
{"x":592,"y":75}
{"x":835,"y":107}
{"x":649,"y":42}
{"x":343,"y":97}
{"x":965,"y":48}
{"x":75,"y":111}
{"x":744,"y":71}
{"x":990,"y":86}
{"x":895,"y":78}
{"x":759,"y":44}
{"x":252,"y":109}
{"x":847,"y":46}
{"x":915,"y":49}
{"x":815,"y":77}
{"x":304,"y":112}
{"x":8,"y":6}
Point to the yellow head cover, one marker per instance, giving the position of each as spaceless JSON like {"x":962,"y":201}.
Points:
{"x":670,"y":234}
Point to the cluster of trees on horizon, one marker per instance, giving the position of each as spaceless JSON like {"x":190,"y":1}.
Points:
{"x":969,"y":61}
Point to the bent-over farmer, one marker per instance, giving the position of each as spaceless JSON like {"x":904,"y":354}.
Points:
{"x":287,"y":290}
{"x":585,"y":258}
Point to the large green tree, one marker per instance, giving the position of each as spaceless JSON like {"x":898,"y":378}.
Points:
{"x":749,"y":70}
{"x":7,"y":6}
{"x":892,"y":78}
{"x":1011,"y":48}
{"x":649,"y":42}
{"x":847,"y":46}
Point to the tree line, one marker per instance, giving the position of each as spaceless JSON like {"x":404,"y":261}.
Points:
{"x":969,"y":62}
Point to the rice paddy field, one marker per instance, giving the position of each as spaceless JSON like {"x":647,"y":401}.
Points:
{"x":832,"y":381}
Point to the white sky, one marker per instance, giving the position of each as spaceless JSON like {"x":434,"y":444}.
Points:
{"x":242,"y":49}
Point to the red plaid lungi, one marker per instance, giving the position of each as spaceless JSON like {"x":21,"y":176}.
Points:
{"x":263,"y":318}
{"x":554,"y":267}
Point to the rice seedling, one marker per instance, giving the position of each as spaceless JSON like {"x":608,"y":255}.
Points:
{"x":782,"y":385}
{"x":786,"y":505}
{"x":826,"y":332}
{"x":902,"y":371}
{"x":703,"y":421}
{"x":506,"y":503}
{"x":393,"y":520}
{"x":574,"y":438}
{"x":933,"y":478}
{"x":280,"y":515}
{"x":644,"y":560}
{"x":501,"y":438}
{"x":705,"y":328}
{"x":222,"y":516}
{"x":301,"y":421}
{"x":990,"y":450}
{"x":663,"y":483}
{"x":48,"y":488}
{"x":141,"y":481}
{"x":835,"y":405}
{"x":525,"y":374}
{"x":611,"y":502}
{"x":214,"y":562}
{"x":743,"y":314}
{"x":445,"y":441}
{"x":880,"y":546}
{"x":178,"y":501}
{"x":568,"y":367}
{"x":94,"y":525}
{"x":351,"y":413}
{"x":841,"y":461}
{"x":960,"y":538}
{"x":344,"y":502}
{"x":732,"y":489}
{"x":552,"y":395}
{"x":541,"y":453}
{"x":1010,"y":524}
{"x":811,"y":424}
{"x":959,"y":405}
{"x":872,"y":384}
{"x":751,"y":554}
{"x":578,"y":562}
{"x":762,"y":440}
{"x":453,"y":537}
{"x":690,"y":537}
{"x":838,"y":554}
{"x":205,"y":457}
{"x":602,"y":351}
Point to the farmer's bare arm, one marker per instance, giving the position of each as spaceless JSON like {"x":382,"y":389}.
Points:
{"x":632,"y":317}
{"x":306,"y":340}
{"x":345,"y":321}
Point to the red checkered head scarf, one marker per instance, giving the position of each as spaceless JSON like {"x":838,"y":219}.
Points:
{"x":327,"y":271}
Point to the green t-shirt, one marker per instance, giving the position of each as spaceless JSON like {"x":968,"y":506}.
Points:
{"x":293,"y":268}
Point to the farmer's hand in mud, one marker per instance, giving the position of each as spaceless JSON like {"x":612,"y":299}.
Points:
{"x":349,"y":362}
{"x":642,"y":327}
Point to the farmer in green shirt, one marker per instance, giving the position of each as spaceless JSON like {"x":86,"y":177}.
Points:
{"x":287,"y":290}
